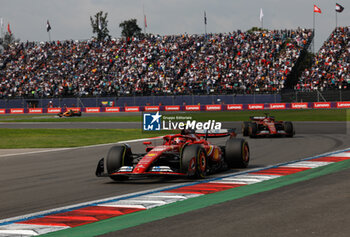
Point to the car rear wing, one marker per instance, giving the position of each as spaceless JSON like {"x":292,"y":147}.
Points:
{"x":212,"y":133}
{"x":261,"y":117}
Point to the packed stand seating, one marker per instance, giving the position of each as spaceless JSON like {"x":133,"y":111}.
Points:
{"x":331,"y":66}
{"x":263,"y":60}
{"x":237,"y":62}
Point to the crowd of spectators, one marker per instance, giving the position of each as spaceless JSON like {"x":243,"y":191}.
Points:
{"x":331,"y":65}
{"x":237,"y":62}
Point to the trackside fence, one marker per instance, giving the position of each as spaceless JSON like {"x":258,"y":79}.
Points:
{"x":7,"y":103}
{"x":211,"y":107}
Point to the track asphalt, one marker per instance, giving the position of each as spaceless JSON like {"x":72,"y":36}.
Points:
{"x":300,"y":127}
{"x":317,"y":207}
{"x":39,"y":181}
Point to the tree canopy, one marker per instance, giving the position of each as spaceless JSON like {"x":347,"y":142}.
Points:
{"x":255,"y":29}
{"x":8,"y":39}
{"x":130,"y":28}
{"x":99,"y":25}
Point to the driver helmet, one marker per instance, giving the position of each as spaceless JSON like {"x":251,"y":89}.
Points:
{"x":179,"y":140}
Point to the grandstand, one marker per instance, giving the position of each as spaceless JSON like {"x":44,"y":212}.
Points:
{"x":237,"y":62}
{"x":331,"y":65}
{"x":215,"y":64}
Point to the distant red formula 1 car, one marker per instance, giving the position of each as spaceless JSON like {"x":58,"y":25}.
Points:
{"x":69,"y":113}
{"x":267,"y":126}
{"x":188,"y":154}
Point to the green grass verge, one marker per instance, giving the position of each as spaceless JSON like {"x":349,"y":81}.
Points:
{"x":44,"y":138}
{"x":53,"y":138}
{"x":291,"y":115}
{"x":54,"y":118}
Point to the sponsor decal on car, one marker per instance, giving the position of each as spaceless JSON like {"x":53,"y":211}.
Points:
{"x":126,"y":169}
{"x":145,"y":160}
{"x":160,"y":148}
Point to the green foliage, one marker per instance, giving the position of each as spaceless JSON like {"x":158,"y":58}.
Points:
{"x":130,"y":28}
{"x":99,"y":25}
{"x":8,"y":40}
{"x":255,"y":29}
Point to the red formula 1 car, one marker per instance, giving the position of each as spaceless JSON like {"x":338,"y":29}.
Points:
{"x":267,"y":126}
{"x":187,"y":154}
{"x":69,"y":113}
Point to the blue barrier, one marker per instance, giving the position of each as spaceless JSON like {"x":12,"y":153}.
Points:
{"x":141,"y":101}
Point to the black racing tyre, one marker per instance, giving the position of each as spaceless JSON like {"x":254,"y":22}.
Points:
{"x":194,"y":161}
{"x":289,"y":129}
{"x":79,"y":113}
{"x":245,"y":129}
{"x":237,"y":153}
{"x":118,"y":156}
{"x":279,"y":127}
{"x":253,"y":130}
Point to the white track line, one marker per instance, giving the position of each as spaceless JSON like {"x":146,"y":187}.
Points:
{"x":98,"y":202}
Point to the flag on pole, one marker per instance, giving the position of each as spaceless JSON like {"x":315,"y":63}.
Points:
{"x":8,"y":29}
{"x":205,"y":18}
{"x":338,"y":7}
{"x":317,"y":9}
{"x":261,"y":14}
{"x":145,"y":21}
{"x":48,"y":27}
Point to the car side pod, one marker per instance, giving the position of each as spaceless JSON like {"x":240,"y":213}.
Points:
{"x":100,"y":170}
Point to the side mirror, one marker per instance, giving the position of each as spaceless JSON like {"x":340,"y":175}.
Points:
{"x":147,"y":143}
